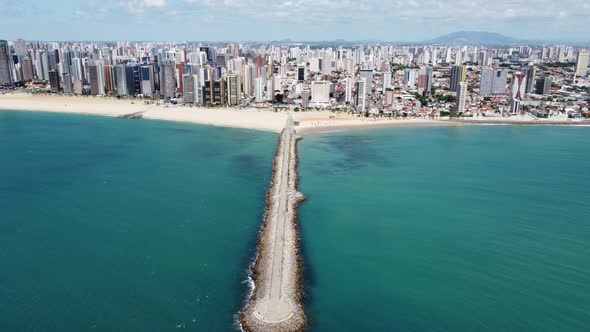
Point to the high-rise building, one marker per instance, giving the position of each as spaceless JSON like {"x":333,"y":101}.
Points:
{"x":486,"y":82}
{"x":44,"y":66}
{"x":132,"y":76}
{"x":66,"y":62}
{"x":462,"y":97}
{"x":100,"y":72}
{"x":54,"y":81}
{"x":301,"y":73}
{"x":425,"y":80}
{"x":95,"y":74}
{"x":66,"y":79}
{"x":16,"y":68}
{"x":190,"y":88}
{"x":386,"y":80}
{"x":326,"y":64}
{"x":500,"y":81}
{"x":492,"y":81}
{"x":367,"y":74}
{"x":120,"y":80}
{"x":458,"y":74}
{"x":482,"y":58}
{"x":518,"y":91}
{"x":515,"y":108}
{"x":147,"y":80}
{"x":199,"y":84}
{"x":519,"y":86}
{"x":233,"y":90}
{"x":543,"y":86}
{"x":77,"y":70}
{"x":361,"y":96}
{"x":410,"y":78}
{"x":320,"y":92}
{"x":459,"y":57}
{"x":220,"y":60}
{"x":27,"y":68}
{"x":38,"y":66}
{"x":248,"y":78}
{"x":259,"y":89}
{"x":20,"y":47}
{"x":167,"y":82}
{"x":53,"y":59}
{"x":582,"y":63}
{"x":180,"y":71}
{"x":270,"y":89}
{"x":348,"y":90}
{"x":314,"y":65}
{"x":278,"y":82}
{"x":214,"y":92}
{"x":5,"y":76}
{"x":109,"y":78}
{"x":531,"y":73}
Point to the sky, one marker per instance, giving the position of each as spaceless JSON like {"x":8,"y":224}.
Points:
{"x":310,"y":20}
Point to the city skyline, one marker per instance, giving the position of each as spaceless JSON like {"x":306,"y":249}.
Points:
{"x":304,"y":20}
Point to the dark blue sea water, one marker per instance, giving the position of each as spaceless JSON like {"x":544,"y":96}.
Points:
{"x":472,"y":228}
{"x":126,"y":225}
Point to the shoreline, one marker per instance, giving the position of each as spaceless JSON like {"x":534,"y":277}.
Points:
{"x":310,"y":122}
{"x":380,"y":124}
{"x":222,"y":117}
{"x":540,"y":122}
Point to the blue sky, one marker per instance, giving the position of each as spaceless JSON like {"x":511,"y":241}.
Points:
{"x":212,"y":20}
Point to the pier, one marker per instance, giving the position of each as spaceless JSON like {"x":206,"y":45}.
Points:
{"x":275,"y":304}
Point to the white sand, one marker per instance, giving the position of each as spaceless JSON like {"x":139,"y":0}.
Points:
{"x":65,"y":104}
{"x":318,"y":122}
{"x":269,"y":120}
{"x":253,"y":119}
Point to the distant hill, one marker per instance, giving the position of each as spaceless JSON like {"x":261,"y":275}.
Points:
{"x":473,"y":38}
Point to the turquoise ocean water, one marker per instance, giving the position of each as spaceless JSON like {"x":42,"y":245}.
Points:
{"x":126,"y":225}
{"x":481,"y":228}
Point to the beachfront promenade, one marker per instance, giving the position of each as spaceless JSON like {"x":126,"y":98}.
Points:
{"x":275,"y":304}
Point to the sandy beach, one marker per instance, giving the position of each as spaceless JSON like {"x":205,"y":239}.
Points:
{"x":268,"y":120}
{"x":313,"y":126}
{"x":533,"y":122}
{"x":310,"y":122}
{"x":251,"y":119}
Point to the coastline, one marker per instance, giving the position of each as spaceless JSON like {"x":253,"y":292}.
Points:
{"x":311,"y":122}
{"x":265,"y":120}
{"x":372,"y":124}
{"x":539,"y":122}
{"x":223,"y":117}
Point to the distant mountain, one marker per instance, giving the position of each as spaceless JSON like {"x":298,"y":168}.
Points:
{"x":473,"y":38}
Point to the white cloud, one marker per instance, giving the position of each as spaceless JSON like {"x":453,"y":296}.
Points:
{"x":349,"y":19}
{"x":139,"y":6}
{"x":329,"y":11}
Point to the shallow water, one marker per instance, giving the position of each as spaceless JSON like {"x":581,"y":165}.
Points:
{"x":126,"y":225}
{"x":472,"y":228}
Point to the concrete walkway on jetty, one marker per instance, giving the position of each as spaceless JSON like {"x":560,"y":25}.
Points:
{"x":275,"y":304}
